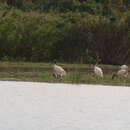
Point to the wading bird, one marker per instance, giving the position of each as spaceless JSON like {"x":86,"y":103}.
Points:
{"x":98,"y":71}
{"x":58,"y":71}
{"x":123,"y":72}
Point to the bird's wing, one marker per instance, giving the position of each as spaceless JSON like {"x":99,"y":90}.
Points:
{"x":59,"y":69}
{"x":121,"y":72}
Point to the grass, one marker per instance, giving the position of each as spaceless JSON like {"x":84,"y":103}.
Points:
{"x":48,"y":65}
{"x":41,"y":72}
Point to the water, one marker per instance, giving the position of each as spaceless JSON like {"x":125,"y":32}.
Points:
{"x":43,"y":106}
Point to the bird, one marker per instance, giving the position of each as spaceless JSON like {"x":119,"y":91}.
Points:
{"x":125,"y":67}
{"x":98,"y":71}
{"x":123,"y":72}
{"x":58,"y":71}
{"x":120,"y":73}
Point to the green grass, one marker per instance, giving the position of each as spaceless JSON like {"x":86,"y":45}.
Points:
{"x":74,"y":77}
{"x":41,"y":72}
{"x":48,"y":65}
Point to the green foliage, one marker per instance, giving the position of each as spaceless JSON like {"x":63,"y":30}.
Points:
{"x":91,"y":6}
{"x":67,"y":30}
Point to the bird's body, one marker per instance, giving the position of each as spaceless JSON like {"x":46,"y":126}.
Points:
{"x":58,"y":71}
{"x":98,"y":71}
{"x":123,"y":72}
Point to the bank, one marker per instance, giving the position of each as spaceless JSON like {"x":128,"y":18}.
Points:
{"x":76,"y":73}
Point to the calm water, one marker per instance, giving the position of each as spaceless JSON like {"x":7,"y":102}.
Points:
{"x":43,"y":106}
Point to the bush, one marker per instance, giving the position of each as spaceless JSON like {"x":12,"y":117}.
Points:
{"x":67,"y":37}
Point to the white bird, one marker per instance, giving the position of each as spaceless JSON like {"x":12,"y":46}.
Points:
{"x":58,"y":71}
{"x":124,"y":67}
{"x":120,"y":73}
{"x":123,"y":72}
{"x":98,"y":71}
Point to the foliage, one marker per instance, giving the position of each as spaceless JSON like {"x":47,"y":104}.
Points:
{"x":75,"y":31}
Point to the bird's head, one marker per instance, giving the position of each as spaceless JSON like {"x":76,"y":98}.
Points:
{"x":124,"y":67}
{"x":54,"y":61}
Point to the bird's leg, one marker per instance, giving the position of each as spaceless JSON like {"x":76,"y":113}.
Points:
{"x":55,"y":75}
{"x":58,"y":76}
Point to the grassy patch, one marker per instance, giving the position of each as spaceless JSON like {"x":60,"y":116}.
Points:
{"x":48,"y":65}
{"x":41,"y":72}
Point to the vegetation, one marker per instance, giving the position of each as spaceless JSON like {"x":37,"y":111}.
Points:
{"x":70,"y":78}
{"x":73,"y":31}
{"x":76,"y":73}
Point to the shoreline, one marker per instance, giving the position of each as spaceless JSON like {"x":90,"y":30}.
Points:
{"x":41,"y":72}
{"x":56,"y":83}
